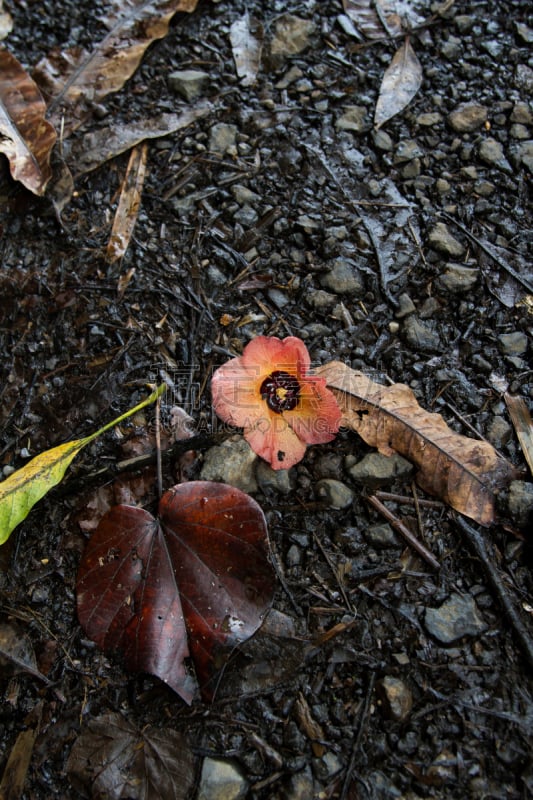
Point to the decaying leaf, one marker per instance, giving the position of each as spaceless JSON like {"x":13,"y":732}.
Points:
{"x":26,"y":137}
{"x":461,"y":471}
{"x":128,"y":206}
{"x":246,"y":38}
{"x":16,"y":769}
{"x":195,"y":581}
{"x":74,"y":81}
{"x":16,"y":652}
{"x":85,"y":153}
{"x":25,"y":487}
{"x":401,"y":81}
{"x":377,"y":19}
{"x":6,"y":22}
{"x":523,"y":425}
{"x":112,"y":758}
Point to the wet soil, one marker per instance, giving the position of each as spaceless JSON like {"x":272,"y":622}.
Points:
{"x":392,"y":251}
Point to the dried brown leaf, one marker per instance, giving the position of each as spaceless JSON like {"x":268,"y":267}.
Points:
{"x":523,"y":425}
{"x":128,"y":208}
{"x":377,"y":19}
{"x":401,"y":81}
{"x":26,"y":137}
{"x":463,"y":472}
{"x":75,"y":80}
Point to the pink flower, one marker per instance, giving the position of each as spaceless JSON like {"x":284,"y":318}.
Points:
{"x":268,"y":392}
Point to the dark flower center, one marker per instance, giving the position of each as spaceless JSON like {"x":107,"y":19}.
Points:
{"x":281,"y":391}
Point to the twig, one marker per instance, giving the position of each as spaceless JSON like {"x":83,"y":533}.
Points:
{"x":486,"y":249}
{"x":402,"y":529}
{"x":335,"y":573}
{"x":405,"y":500}
{"x":479,"y":545}
{"x":363,"y":717}
{"x":158,"y":461}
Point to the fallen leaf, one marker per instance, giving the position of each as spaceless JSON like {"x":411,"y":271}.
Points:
{"x":75,"y":80}
{"x":16,"y":650}
{"x":88,"y":152}
{"x":16,"y":769}
{"x":463,"y":472}
{"x":196,"y":581}
{"x":25,"y":487}
{"x":6,"y":22}
{"x":26,"y":138}
{"x":112,"y":758}
{"x":246,"y":37}
{"x":523,"y":425}
{"x":401,"y":81}
{"x":128,"y":208}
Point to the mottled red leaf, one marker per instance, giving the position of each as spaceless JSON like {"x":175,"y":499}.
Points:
{"x":196,"y":581}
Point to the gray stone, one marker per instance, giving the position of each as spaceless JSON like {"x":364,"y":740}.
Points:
{"x":231,"y":462}
{"x":467,"y":117}
{"x":523,"y":153}
{"x":247,"y":216}
{"x":382,"y":140}
{"x":457,"y":617}
{"x":420,"y":335}
{"x":407,"y":150}
{"x":491,"y":152}
{"x":294,"y":556}
{"x":272,"y":480}
{"x":406,"y":306}
{"x":442,"y":240}
{"x":292,"y":35}
{"x":396,"y":698}
{"x":354,"y":118}
{"x":189,"y":83}
{"x":520,"y":501}
{"x":513,"y":344}
{"x":524,"y":78}
{"x":221,"y":779}
{"x":499,"y":432}
{"x":320,"y":299}
{"x":522,"y":114}
{"x":244,"y":196}
{"x":458,"y":278}
{"x":223,"y":139}
{"x":301,"y":786}
{"x":429,"y":119}
{"x":376,"y":469}
{"x":519,"y":131}
{"x":343,"y":277}
{"x":335,"y":493}
{"x":381,"y":535}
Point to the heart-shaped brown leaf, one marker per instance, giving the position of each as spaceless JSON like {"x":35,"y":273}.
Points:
{"x":197,"y":581}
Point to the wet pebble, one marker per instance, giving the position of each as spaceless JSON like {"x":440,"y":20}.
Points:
{"x":221,"y":779}
{"x":521,"y":501}
{"x":458,"y":279}
{"x":441,"y":239}
{"x":375,"y":469}
{"x":491,"y":152}
{"x":272,"y":480}
{"x":420,"y":335}
{"x":223,"y":139}
{"x":231,"y":462}
{"x":513,"y":344}
{"x":396,"y":698}
{"x":343,"y":277}
{"x":301,"y":786}
{"x":292,"y":35}
{"x":467,"y":117}
{"x":189,"y":83}
{"x":354,"y":118}
{"x":381,"y":536}
{"x":335,"y":493}
{"x":457,"y":617}
{"x":499,"y":432}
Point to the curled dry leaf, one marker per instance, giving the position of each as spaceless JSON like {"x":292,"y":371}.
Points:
{"x":461,"y":471}
{"x":128,"y":208}
{"x":401,"y":81}
{"x":74,"y":81}
{"x":26,"y":137}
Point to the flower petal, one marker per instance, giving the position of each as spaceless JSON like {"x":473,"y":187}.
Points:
{"x":274,"y":440}
{"x":235,"y":393}
{"x":266,"y":354}
{"x":317,"y":416}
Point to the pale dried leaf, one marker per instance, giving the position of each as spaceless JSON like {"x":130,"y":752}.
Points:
{"x":246,"y":37}
{"x":26,"y":138}
{"x":401,"y":81}
{"x":523,"y":425}
{"x":6,"y":22}
{"x":463,"y":472}
{"x":75,"y":80}
{"x":88,"y":152}
{"x":128,"y":208}
{"x":377,"y":19}
{"x":16,"y":768}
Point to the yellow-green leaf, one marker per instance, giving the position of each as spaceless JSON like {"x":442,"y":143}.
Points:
{"x":20,"y":492}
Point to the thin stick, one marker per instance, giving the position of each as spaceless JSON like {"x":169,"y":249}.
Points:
{"x":478,"y":543}
{"x":159,"y":465}
{"x":363,"y":718}
{"x":402,"y":529}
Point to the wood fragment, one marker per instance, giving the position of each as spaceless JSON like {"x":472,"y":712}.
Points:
{"x":404,"y":531}
{"x":479,"y":544}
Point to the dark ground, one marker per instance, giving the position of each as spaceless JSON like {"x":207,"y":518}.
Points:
{"x":75,"y":354}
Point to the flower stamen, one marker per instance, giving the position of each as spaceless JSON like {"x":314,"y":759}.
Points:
{"x":281,"y":391}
